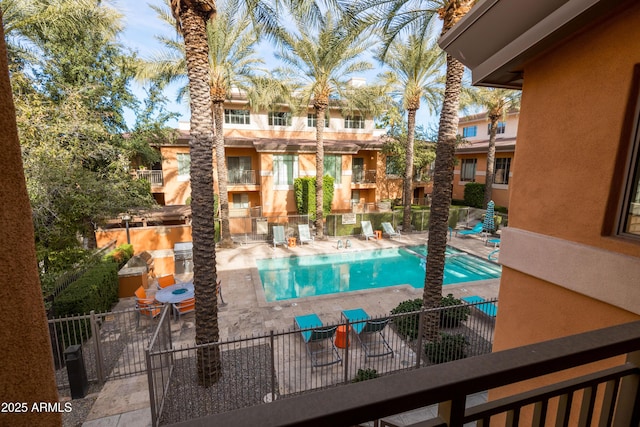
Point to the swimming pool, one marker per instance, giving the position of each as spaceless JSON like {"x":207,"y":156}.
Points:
{"x":305,"y":276}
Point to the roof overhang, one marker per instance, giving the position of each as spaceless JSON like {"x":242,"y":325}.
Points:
{"x":503,"y":145}
{"x":497,"y":37}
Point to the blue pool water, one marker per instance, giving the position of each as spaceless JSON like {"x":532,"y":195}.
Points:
{"x":305,"y":276}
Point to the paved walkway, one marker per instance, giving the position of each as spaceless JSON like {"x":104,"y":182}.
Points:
{"x":125,"y":402}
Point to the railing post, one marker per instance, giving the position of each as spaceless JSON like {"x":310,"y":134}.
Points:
{"x":627,"y":412}
{"x":419,"y":341}
{"x":346,"y":353}
{"x":273,"y":366}
{"x":152,"y":397}
{"x":95,"y":331}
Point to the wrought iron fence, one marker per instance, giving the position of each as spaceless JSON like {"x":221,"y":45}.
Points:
{"x":113,"y":343}
{"x":258,"y":369}
{"x":260,"y":229}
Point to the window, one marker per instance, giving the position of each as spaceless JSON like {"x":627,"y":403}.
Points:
{"x":239,"y":170}
{"x":312,"y":120}
{"x":285,"y":169}
{"x":501,"y":171}
{"x":184,"y":166}
{"x":333,"y":167}
{"x":279,"y":118}
{"x":630,"y":220}
{"x":500,"y":128}
{"x":241,"y":201}
{"x":468,"y":170}
{"x":391,"y":167}
{"x":354,"y":122}
{"x":469,"y":131}
{"x":237,"y":117}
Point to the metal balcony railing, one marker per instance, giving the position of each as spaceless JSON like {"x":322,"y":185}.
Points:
{"x":155,"y":177}
{"x":359,"y":176}
{"x":606,"y":398}
{"x":236,"y":176}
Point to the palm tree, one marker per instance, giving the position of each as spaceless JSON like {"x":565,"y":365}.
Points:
{"x":497,"y":102}
{"x":191,"y":18}
{"x":415,"y":75}
{"x":321,"y":61}
{"x":232,"y":62}
{"x":396,"y":17}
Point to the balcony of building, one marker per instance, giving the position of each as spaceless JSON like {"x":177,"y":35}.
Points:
{"x":155,"y":177}
{"x":363,"y":178}
{"x":242,"y":180}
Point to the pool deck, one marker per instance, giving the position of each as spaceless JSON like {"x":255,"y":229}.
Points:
{"x":246,"y":312}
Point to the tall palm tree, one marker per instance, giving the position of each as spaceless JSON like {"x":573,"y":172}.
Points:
{"x":497,"y":102}
{"x":321,"y":61}
{"x":396,"y":17}
{"x":191,"y":18}
{"x":232,"y":60}
{"x":415,"y":75}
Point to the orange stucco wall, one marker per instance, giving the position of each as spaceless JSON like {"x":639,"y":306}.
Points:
{"x":499,"y":195}
{"x":574,"y":102}
{"x":175,"y":192}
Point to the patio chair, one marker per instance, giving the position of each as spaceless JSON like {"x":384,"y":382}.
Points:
{"x":477,"y":229}
{"x":304,"y":234}
{"x":388,"y":229}
{"x":145,"y":306}
{"x":479,"y":303}
{"x":367,"y":230}
{"x":184,"y":307}
{"x":167,"y":280}
{"x":369,"y":332}
{"x":315,"y":334}
{"x":278,"y":236}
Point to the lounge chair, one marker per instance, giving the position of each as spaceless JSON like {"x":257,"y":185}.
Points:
{"x":388,"y":229}
{"x":315,"y":334}
{"x":304,"y":234}
{"x":367,"y":230}
{"x":278,"y":236}
{"x":479,"y":303}
{"x":477,"y":229}
{"x":369,"y":332}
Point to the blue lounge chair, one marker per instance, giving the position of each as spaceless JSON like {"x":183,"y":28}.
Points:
{"x":479,"y":303}
{"x":367,"y":331}
{"x":477,"y":229}
{"x":367,"y":230}
{"x":314,"y":333}
{"x":304,"y":234}
{"x":278,"y":236}
{"x":388,"y":229}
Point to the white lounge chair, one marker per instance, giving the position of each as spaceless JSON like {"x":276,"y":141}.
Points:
{"x":278,"y":236}
{"x":388,"y":229}
{"x":304,"y":234}
{"x":367,"y":230}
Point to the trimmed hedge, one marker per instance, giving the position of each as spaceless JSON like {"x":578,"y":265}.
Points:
{"x":447,"y":348}
{"x":96,"y":289}
{"x":474,"y":194}
{"x":305,"y":195}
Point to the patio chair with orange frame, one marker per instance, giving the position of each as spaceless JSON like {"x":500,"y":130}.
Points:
{"x":145,"y":306}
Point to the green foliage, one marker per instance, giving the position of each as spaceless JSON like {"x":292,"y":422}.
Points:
{"x":447,"y":348}
{"x":96,"y":289}
{"x":120,"y":255}
{"x":407,"y":326}
{"x":424,"y":152}
{"x":365,"y":374}
{"x":305,"y":195}
{"x":451,"y":317}
{"x":474,"y":194}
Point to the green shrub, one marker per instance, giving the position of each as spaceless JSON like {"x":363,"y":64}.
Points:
{"x":451,"y":317}
{"x":474,"y":194}
{"x":305,"y":195}
{"x":120,"y":255}
{"x":365,"y":374}
{"x":447,"y":348}
{"x":407,"y":326}
{"x":96,"y":289}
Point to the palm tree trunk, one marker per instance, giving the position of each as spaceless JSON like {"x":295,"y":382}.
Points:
{"x":27,"y":374}
{"x":441,"y":197}
{"x":491,"y":156}
{"x":320,"y":109}
{"x":408,"y":179}
{"x":202,"y":199}
{"x":225,"y":231}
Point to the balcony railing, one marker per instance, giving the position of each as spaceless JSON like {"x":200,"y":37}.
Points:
{"x":153,"y":176}
{"x":608,"y":397}
{"x":363,"y":176}
{"x":236,"y":176}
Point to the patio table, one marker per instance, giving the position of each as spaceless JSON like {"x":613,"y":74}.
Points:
{"x":175,"y":293}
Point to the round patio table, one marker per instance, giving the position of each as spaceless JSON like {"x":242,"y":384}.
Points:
{"x":175,"y":293}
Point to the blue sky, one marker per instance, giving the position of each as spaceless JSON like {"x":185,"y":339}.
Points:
{"x":141,"y":27}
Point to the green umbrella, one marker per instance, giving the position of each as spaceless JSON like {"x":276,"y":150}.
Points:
{"x":489,"y":225}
